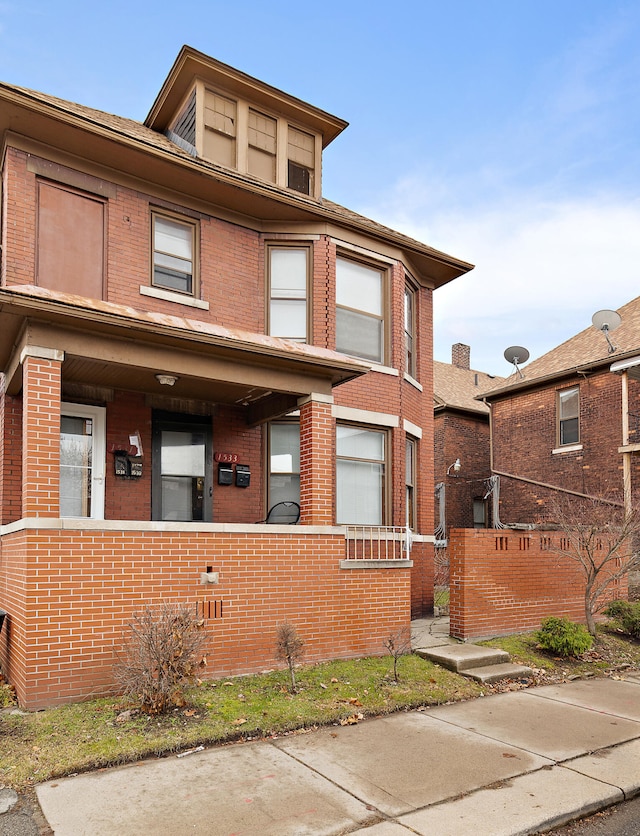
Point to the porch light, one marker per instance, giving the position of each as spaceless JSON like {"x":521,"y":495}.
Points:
{"x":166,"y":379}
{"x":455,"y":467}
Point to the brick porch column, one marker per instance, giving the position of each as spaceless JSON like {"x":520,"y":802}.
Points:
{"x":316,"y":460}
{"x":41,"y":391}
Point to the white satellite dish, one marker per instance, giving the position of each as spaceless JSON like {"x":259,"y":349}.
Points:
{"x":606,"y":321}
{"x":516,"y":354}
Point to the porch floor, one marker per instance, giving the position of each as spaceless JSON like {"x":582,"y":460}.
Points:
{"x":431,"y":632}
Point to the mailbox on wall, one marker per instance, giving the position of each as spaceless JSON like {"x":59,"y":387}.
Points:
{"x":225,"y":473}
{"x":243,"y":475}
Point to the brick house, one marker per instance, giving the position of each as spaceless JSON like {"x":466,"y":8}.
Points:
{"x":190,"y":334}
{"x":462,"y":458}
{"x":569,"y":423}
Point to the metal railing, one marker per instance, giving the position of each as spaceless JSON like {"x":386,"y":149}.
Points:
{"x":377,"y":542}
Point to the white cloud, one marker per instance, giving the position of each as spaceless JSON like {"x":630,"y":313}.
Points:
{"x":542,"y":270}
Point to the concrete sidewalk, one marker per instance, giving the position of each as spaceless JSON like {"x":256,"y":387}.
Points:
{"x":513,"y":763}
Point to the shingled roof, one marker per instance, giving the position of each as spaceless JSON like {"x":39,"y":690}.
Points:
{"x":136,"y":134}
{"x":457,"y":388}
{"x":587,"y":350}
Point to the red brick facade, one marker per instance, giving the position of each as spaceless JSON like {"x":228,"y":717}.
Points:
{"x":534,"y":467}
{"x":70,"y":584}
{"x":507,"y":581}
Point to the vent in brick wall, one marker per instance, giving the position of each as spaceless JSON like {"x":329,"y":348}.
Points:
{"x":524,"y":544}
{"x":209,"y":609}
{"x":502,"y":544}
{"x":545,"y":544}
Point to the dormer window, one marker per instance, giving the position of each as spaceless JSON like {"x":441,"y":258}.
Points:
{"x":301,"y":159}
{"x":220,"y":126}
{"x":224,"y":116}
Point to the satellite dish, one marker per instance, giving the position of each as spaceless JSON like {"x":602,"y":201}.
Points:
{"x":606,"y":321}
{"x":516,"y":354}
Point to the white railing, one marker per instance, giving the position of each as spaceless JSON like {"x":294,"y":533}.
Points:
{"x":377,"y":542}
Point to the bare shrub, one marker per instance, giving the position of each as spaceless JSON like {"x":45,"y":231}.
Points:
{"x":289,"y":649}
{"x":599,"y":536}
{"x":161,"y":656}
{"x":398,"y":644}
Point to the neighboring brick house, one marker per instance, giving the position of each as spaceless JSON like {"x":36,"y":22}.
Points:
{"x":569,"y":424}
{"x":191,"y":333}
{"x":462,"y":459}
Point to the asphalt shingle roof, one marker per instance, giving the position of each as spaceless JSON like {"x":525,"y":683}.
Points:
{"x":588,"y":348}
{"x":457,"y":387}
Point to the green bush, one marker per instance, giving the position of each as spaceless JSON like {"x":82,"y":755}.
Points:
{"x":564,"y":637}
{"x":626,"y":615}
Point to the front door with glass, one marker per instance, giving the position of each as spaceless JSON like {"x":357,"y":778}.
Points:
{"x":82,"y":461}
{"x":182,"y":484}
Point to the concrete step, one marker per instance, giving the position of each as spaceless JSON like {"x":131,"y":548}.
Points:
{"x":493,"y":673}
{"x":463,"y":657}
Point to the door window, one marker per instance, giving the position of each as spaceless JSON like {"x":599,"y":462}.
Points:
{"x":82,"y":461}
{"x":182,"y":471}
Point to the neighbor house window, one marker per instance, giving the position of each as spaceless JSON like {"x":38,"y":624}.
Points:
{"x":569,"y":416}
{"x":410,"y":331}
{"x":284,"y":463}
{"x":410,"y":481}
{"x":359,"y":310}
{"x":173,"y":254}
{"x":360,"y":473}
{"x":288,"y":280}
{"x":479,"y":513}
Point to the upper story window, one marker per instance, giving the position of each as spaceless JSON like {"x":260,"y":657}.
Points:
{"x":288,"y":279}
{"x":174,"y":245}
{"x":410,"y":330}
{"x":360,"y":310}
{"x":71,"y":240}
{"x":568,"y":412}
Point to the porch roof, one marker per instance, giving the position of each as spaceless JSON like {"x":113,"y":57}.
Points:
{"x":117,"y":346}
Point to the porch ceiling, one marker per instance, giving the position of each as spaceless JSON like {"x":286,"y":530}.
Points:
{"x":111,"y":346}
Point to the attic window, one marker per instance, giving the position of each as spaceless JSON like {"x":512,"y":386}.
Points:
{"x":220,"y":124}
{"x":301,"y":160}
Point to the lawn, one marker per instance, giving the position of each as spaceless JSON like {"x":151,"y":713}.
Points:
{"x":38,"y":746}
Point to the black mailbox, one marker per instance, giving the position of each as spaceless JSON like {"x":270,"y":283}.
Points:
{"x":243,"y":475}
{"x":225,"y":474}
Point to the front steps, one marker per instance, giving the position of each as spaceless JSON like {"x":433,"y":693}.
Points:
{"x":484,"y":664}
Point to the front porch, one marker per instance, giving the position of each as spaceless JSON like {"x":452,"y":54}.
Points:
{"x":70,"y":588}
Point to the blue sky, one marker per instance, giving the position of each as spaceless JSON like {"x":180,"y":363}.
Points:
{"x":504,"y":132}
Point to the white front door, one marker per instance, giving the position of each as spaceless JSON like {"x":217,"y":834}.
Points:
{"x":82,"y":461}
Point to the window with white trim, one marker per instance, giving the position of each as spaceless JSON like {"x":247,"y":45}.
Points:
{"x":173,"y":253}
{"x":82,"y":461}
{"x":284,"y":462}
{"x":360,"y":475}
{"x":360,"y":310}
{"x":288,"y":279}
{"x":569,"y":416}
{"x":410,"y":481}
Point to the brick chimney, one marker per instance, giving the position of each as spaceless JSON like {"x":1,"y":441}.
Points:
{"x":461,"y":355}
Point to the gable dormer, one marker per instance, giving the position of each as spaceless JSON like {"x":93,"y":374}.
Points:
{"x":224,"y":116}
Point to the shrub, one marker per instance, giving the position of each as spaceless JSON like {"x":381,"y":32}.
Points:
{"x":289,"y":649}
{"x":160,"y":657}
{"x":564,"y":637}
{"x":627,"y":615}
